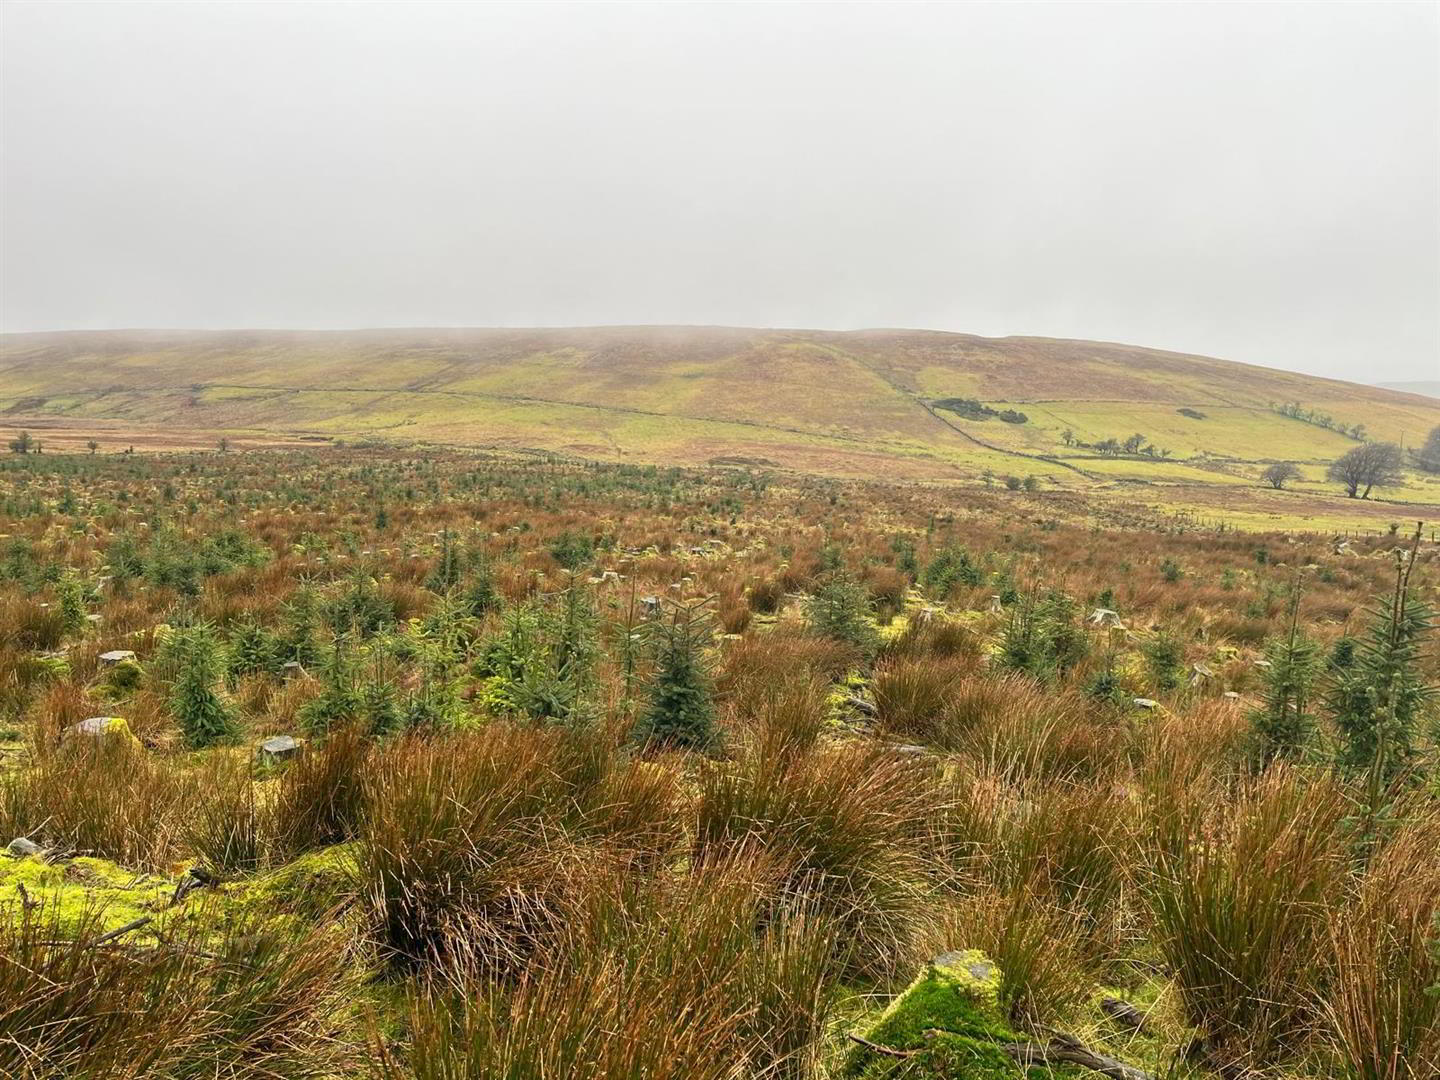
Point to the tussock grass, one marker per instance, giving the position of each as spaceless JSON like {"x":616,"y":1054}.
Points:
{"x":848,"y":825}
{"x":1378,"y":1003}
{"x":692,"y":978}
{"x":101,"y":796}
{"x":1239,"y":895}
{"x":263,"y":1000}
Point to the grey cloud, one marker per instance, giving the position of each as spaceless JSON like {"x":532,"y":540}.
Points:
{"x":1254,"y":181}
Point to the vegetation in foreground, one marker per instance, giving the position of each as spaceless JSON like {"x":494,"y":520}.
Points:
{"x":630,"y":772}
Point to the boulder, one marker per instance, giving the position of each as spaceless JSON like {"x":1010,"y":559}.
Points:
{"x":24,"y":848}
{"x":98,"y":727}
{"x":277,"y":748}
{"x":116,"y":656}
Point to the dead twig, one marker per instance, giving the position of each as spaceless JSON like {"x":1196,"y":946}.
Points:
{"x":1068,"y":1050}
{"x":886,"y":1050}
{"x":109,"y":935}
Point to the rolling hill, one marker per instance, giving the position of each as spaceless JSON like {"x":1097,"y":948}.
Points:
{"x":859,"y":403}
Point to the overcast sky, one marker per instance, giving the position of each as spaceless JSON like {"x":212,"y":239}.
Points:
{"x":1254,"y":181}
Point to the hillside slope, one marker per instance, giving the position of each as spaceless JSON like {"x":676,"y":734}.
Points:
{"x":855,"y":403}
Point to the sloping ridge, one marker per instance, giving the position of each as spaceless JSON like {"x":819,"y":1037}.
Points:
{"x":686,"y":393}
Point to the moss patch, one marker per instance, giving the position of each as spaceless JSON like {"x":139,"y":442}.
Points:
{"x":316,"y":884}
{"x":83,"y":891}
{"x":950,"y":1018}
{"x":101,"y":895}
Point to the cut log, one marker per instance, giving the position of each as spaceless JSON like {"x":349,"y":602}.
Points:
{"x":860,"y":705}
{"x":1068,"y":1050}
{"x":1122,"y":1012}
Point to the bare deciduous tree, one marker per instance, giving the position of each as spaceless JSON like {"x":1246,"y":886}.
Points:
{"x":1429,"y":455}
{"x":1372,"y":465}
{"x":1279,"y":474}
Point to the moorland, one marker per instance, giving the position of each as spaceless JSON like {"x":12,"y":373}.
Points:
{"x":1182,"y":434}
{"x":425,"y":762}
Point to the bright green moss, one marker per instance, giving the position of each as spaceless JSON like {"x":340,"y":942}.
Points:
{"x":315,"y":884}
{"x":951,"y":1015}
{"x":82,"y":891}
{"x":99,"y":895}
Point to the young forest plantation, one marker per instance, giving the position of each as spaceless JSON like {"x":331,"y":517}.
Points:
{"x":427,"y":764}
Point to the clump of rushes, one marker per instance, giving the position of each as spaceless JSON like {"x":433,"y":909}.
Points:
{"x":1382,"y":1002}
{"x":1238,"y":896}
{"x":911,"y":696}
{"x":266,"y":999}
{"x":696,"y":978}
{"x":319,"y":798}
{"x":474,"y":837}
{"x":229,"y":828}
{"x":104,"y":796}
{"x":848,"y":825}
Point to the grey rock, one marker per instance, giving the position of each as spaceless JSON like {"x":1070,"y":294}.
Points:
{"x":278,"y":748}
{"x":23,"y":848}
{"x":116,"y":656}
{"x":958,"y":961}
{"x":910,"y":750}
{"x":1146,"y":703}
{"x":94,"y":726}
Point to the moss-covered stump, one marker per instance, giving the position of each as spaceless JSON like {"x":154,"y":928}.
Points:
{"x":316,"y":885}
{"x":95,"y":896}
{"x":947,"y":1023}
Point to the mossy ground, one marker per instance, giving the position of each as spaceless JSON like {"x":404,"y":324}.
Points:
{"x":949,"y":1023}
{"x":102,"y":895}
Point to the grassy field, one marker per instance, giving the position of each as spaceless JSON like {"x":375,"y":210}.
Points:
{"x":842,"y":404}
{"x":607,"y":771}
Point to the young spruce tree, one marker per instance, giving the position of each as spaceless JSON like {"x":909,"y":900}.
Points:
{"x":204,"y":716}
{"x":839,"y":609}
{"x":1282,"y":726}
{"x":681,"y":710}
{"x":1378,"y":696}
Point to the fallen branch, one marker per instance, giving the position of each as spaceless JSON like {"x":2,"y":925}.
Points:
{"x":860,"y":705}
{"x":121,"y":931}
{"x":1122,"y":1012}
{"x":886,"y":1050}
{"x":1068,"y":1050}
{"x":108,"y":936}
